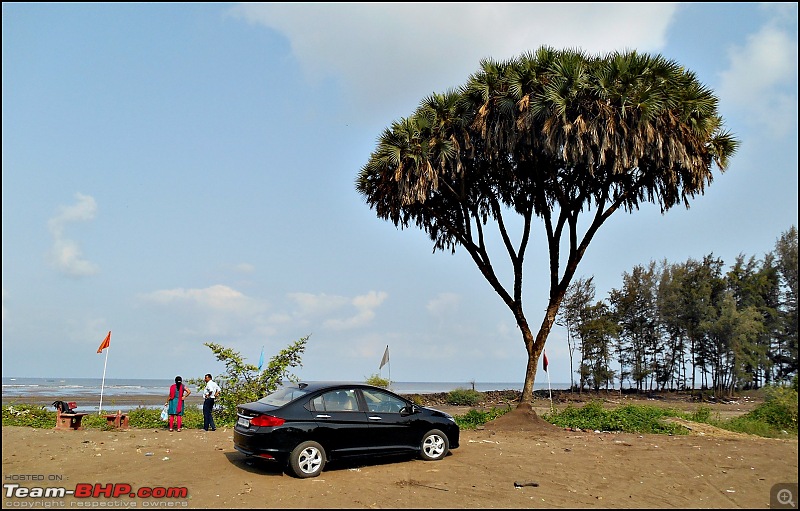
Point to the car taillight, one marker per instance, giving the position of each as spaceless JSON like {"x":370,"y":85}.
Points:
{"x":266,"y":420}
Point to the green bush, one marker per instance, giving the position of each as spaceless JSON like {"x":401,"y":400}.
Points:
{"x":416,"y":399}
{"x":141,"y":418}
{"x":702,"y":414}
{"x":375,"y":379}
{"x":464,"y":397}
{"x":244,"y":383}
{"x":28,"y":415}
{"x":628,"y":418}
{"x":474,"y":418}
{"x":777,"y":413}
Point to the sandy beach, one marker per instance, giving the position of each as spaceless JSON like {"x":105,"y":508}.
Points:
{"x":552,"y":468}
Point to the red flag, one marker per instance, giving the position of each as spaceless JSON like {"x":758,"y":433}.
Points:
{"x":544,"y":361}
{"x":106,"y":343}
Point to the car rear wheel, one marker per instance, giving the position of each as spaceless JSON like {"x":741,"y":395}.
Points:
{"x":307,"y":460}
{"x":434,"y":445}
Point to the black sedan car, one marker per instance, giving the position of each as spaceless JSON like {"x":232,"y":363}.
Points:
{"x":304,"y":425}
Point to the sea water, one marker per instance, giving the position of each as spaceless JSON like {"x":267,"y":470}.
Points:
{"x":87,"y":390}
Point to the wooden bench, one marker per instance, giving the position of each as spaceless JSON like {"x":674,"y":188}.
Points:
{"x":69,"y":420}
{"x":118,"y":420}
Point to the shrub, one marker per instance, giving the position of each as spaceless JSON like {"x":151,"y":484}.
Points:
{"x":779,"y":409}
{"x":464,"y":397}
{"x":702,"y":414}
{"x":28,"y":415}
{"x":376,"y":380}
{"x":474,"y":418}
{"x":628,"y":418}
{"x":244,"y":383}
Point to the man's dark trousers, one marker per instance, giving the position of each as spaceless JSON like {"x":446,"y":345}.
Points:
{"x":208,"y":419}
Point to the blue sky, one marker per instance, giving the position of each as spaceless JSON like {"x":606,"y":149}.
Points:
{"x":184,"y":173}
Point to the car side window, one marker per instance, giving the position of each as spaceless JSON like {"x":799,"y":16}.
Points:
{"x":380,"y":402}
{"x":337,"y":401}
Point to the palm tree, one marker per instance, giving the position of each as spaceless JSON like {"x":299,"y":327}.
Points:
{"x":551,"y":134}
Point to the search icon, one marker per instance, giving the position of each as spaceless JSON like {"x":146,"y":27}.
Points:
{"x":785,"y":497}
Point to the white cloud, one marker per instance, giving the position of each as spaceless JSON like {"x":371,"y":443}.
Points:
{"x":222,"y":310}
{"x":315,"y":305}
{"x":217,"y":297}
{"x":217,"y":310}
{"x":375,"y":47}
{"x":66,"y":254}
{"x":244,"y":268}
{"x":762,"y":78}
{"x":444,"y":303}
{"x":365,"y":306}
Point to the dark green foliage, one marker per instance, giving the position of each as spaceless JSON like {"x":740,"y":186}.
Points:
{"x":702,"y":414}
{"x":464,"y":397}
{"x":628,"y":418}
{"x":548,"y":135}
{"x":146,"y":418}
{"x":28,"y":415}
{"x":139,"y":418}
{"x":779,"y":409}
{"x":244,"y":383}
{"x":417,"y":399}
{"x":376,"y":380}
{"x":474,"y":418}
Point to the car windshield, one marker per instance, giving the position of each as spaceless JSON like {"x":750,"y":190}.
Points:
{"x":282,"y":396}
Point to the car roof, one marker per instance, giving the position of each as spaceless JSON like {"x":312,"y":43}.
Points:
{"x":313,"y":386}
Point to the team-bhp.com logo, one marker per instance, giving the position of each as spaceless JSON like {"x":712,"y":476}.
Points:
{"x":93,"y":491}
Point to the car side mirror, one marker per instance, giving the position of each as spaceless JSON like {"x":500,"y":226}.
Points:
{"x":409,"y":409}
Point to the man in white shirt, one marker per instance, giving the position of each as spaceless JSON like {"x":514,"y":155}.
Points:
{"x":210,"y":392}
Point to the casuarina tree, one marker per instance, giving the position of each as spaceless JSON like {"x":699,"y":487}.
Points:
{"x":548,"y":135}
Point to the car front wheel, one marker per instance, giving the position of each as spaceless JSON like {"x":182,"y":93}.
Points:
{"x":434,"y":445}
{"x":307,"y":460}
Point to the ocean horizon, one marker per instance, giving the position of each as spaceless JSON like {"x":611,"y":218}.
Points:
{"x":84,"y":390}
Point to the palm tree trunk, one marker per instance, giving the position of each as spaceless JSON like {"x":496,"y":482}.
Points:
{"x":535,"y":348}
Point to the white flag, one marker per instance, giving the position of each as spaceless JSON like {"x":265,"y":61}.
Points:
{"x":385,"y":358}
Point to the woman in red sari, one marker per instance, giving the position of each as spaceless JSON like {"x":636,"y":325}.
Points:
{"x":177,"y":393}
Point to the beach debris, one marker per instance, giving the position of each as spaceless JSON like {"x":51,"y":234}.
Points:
{"x":148,"y":454}
{"x":15,"y":412}
{"x":165,"y":458}
{"x":412,"y":482}
{"x":520,"y":484}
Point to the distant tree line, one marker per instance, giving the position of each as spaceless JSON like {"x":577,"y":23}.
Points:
{"x":688,"y":325}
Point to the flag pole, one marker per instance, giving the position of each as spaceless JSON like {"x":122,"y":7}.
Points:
{"x":546,"y":363}
{"x":103,"y":384}
{"x":386,"y":360}
{"x":105,"y":345}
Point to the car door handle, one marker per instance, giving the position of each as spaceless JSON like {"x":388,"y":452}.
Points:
{"x":375,"y":418}
{"x":323,"y":416}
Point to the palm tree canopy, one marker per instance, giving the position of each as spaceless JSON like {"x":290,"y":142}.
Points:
{"x":549,"y":128}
